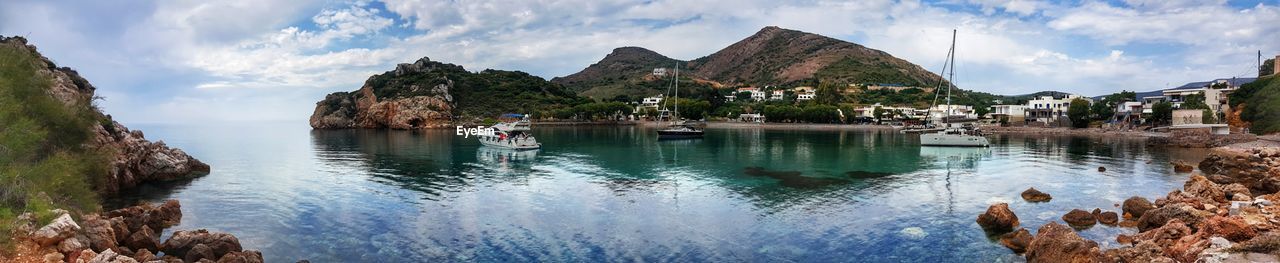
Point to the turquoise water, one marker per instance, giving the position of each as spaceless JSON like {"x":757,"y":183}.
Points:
{"x":618,"y":194}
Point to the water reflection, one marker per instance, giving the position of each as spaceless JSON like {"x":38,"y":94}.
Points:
{"x":737,"y":194}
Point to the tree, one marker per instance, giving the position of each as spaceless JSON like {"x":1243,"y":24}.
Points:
{"x":742,"y":96}
{"x":1161,"y":113}
{"x":1207,"y":117}
{"x":1267,"y":68}
{"x":877,"y":113}
{"x":1105,"y":108}
{"x":1194,"y":102}
{"x":827,"y":94}
{"x":1078,"y":112}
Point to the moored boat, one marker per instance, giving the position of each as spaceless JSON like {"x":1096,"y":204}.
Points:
{"x":511,"y":135}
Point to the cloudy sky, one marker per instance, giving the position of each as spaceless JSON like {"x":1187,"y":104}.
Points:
{"x":266,"y":60}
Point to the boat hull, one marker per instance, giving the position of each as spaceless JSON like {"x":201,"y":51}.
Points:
{"x":510,"y":144}
{"x":676,"y":135}
{"x":953,"y":140}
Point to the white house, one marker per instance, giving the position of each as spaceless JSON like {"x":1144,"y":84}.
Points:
{"x":660,"y":72}
{"x":777,"y":95}
{"x":804,"y":93}
{"x":1215,"y":92}
{"x":1051,"y":110}
{"x":1009,"y":113}
{"x":756,"y":94}
{"x":937,"y":111}
{"x":805,"y":96}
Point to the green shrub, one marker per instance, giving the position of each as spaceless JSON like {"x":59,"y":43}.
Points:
{"x":43,"y":163}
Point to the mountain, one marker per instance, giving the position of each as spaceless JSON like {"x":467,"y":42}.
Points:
{"x":431,"y":94}
{"x":780,"y":56}
{"x":772,"y":56}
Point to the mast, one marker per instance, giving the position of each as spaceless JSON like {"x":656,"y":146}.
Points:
{"x":677,"y":87}
{"x":951,"y":78}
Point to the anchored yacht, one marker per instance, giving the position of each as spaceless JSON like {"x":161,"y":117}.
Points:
{"x":511,"y":135}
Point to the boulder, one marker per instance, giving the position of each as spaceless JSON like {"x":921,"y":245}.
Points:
{"x":184,"y":241}
{"x":98,"y":233}
{"x":1160,"y":216}
{"x":247,"y":256}
{"x":53,"y":257}
{"x":144,"y":255}
{"x":1140,"y":252}
{"x":1268,"y":242}
{"x":156,"y":217}
{"x":1124,"y":239}
{"x":1079,"y":218}
{"x":1102,"y":169}
{"x":1108,"y":218}
{"x":71,"y":245}
{"x":1058,"y":243}
{"x":1237,"y":192}
{"x":1232,"y":228}
{"x":144,"y":239}
{"x":1201,"y":187}
{"x":998,"y":219}
{"x":1017,"y":240}
{"x":61,"y":228}
{"x":1136,"y":206}
{"x":83,"y":256}
{"x":199,"y":252}
{"x":1035,"y":196}
{"x":1165,"y":234}
{"x":1182,"y":167}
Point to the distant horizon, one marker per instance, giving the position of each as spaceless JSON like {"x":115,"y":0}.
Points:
{"x":159,"y":62}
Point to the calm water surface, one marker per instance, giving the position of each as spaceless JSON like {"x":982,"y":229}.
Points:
{"x":618,"y":194}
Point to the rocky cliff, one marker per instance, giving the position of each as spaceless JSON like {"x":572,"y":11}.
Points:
{"x":133,"y":159}
{"x":431,"y":94}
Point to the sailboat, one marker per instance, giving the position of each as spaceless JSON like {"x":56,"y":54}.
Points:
{"x":953,"y":134}
{"x":678,"y":129}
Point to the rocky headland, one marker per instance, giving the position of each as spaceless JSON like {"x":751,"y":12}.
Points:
{"x":429,"y":94}
{"x":1225,"y":213}
{"x":128,"y":159}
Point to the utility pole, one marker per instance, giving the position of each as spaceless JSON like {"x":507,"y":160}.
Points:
{"x":1259,"y":63}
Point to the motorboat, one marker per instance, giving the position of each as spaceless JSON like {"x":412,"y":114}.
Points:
{"x":511,"y":135}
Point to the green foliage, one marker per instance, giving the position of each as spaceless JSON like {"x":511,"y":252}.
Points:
{"x":1161,"y":113}
{"x":1106,"y":108}
{"x":1267,"y":68}
{"x":742,"y":96}
{"x":814,"y":113}
{"x":43,"y":164}
{"x":853,"y":70}
{"x":827,"y":94}
{"x":485,"y":93}
{"x":1208,"y":117}
{"x":693,"y":108}
{"x":1261,"y":102}
{"x":1078,"y":112}
{"x":1194,"y":102}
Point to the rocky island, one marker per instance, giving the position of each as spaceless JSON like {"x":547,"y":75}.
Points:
{"x":74,"y":155}
{"x":430,"y":94}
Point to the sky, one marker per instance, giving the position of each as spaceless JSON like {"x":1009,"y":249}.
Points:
{"x":271,"y":60}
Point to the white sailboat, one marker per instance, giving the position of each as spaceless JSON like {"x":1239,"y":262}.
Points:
{"x":953,"y":134}
{"x":678,"y":129}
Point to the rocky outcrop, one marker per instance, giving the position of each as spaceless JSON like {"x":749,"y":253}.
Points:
{"x":1199,"y":139}
{"x":1035,"y":196}
{"x":1017,"y":240}
{"x":1257,"y":168}
{"x":133,"y":159}
{"x":998,"y":219}
{"x":130,"y":235}
{"x":1079,"y":218}
{"x":414,"y":105}
{"x":1058,"y":243}
{"x":1136,"y":206}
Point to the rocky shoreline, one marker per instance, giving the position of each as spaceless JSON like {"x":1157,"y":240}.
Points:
{"x":130,"y":234}
{"x":1226,"y":214}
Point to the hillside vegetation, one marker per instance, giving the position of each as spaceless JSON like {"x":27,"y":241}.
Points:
{"x":480,"y":94}
{"x":43,"y":164}
{"x":1261,"y":104}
